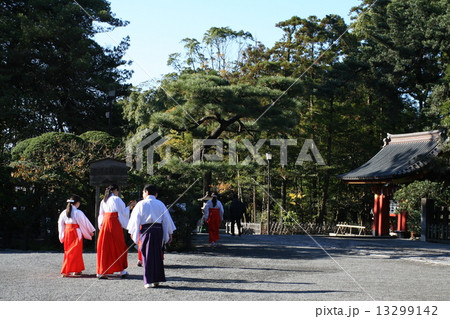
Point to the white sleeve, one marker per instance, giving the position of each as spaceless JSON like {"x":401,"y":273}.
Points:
{"x":134,"y":223}
{"x":61,"y":226}
{"x":221,"y":210}
{"x":206,"y":210}
{"x":168,"y":226}
{"x":124,"y":212}
{"x":101,"y":212}
{"x":85,"y":225}
{"x":131,"y":222}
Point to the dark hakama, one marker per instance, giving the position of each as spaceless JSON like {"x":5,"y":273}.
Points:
{"x":151,"y":238}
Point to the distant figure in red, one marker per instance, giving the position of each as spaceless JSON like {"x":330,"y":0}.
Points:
{"x":139,"y":244}
{"x":112,"y":251}
{"x":213,"y":216}
{"x":73,"y":226}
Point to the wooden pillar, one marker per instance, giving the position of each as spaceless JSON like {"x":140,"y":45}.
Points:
{"x":383,"y":220}
{"x":381,"y":211}
{"x":376,"y":212}
{"x":401,"y":222}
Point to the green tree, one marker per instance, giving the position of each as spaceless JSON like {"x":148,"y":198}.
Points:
{"x":407,"y":43}
{"x":439,"y":101}
{"x":49,"y":168}
{"x":211,"y":107}
{"x":53,"y":75}
{"x":409,"y":200}
{"x":221,"y":51}
{"x":350,"y":87}
{"x":320,"y":54}
{"x":138,"y":107}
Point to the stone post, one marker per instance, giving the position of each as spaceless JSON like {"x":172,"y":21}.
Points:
{"x":427,"y":211}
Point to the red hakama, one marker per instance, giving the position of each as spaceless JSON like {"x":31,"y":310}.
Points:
{"x":112,"y":251}
{"x":139,"y":250}
{"x":213,"y":224}
{"x":73,"y":250}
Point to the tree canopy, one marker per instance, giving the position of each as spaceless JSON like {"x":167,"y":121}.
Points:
{"x":53,"y":75}
{"x":336,"y":88}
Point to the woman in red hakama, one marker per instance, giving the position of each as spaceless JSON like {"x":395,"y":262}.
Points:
{"x":73,"y":226}
{"x":214,"y":216}
{"x":112,"y":251}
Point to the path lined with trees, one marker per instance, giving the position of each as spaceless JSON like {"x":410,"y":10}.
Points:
{"x":343,"y":86}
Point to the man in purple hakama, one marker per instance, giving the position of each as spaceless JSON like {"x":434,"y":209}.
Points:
{"x":151,"y":237}
{"x":151,"y":222}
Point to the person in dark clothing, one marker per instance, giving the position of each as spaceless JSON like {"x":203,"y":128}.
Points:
{"x":237,"y":210}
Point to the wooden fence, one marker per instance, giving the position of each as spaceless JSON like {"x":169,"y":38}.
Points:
{"x":302,"y":229}
{"x":283,"y":229}
{"x":435,"y":222}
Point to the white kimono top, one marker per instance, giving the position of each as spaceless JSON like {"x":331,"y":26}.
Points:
{"x":147,"y":211}
{"x":209,"y":204}
{"x":77,"y":217}
{"x":114,"y":204}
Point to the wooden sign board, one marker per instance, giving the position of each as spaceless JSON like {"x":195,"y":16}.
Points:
{"x":108,"y":171}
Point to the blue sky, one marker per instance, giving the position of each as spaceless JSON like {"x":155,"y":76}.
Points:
{"x":157,"y":27}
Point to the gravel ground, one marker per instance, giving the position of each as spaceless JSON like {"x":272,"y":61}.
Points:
{"x":249,"y":268}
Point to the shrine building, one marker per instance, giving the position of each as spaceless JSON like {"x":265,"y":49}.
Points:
{"x":402,"y":159}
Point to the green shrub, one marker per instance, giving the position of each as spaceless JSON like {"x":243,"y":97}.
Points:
{"x":409,"y":200}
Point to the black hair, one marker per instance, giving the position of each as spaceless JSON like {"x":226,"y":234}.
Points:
{"x":151,"y":189}
{"x":109,"y":190}
{"x":70,"y":202}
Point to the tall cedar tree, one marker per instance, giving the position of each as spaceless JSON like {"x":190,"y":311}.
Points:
{"x":53,"y":75}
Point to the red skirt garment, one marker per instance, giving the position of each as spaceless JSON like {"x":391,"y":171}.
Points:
{"x":112,"y":251}
{"x":213,"y":224}
{"x":73,"y":250}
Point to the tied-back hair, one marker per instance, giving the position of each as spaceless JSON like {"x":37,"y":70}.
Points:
{"x":70,"y":202}
{"x":109,"y":190}
{"x":214,"y":200}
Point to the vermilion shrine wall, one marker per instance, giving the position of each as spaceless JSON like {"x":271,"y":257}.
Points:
{"x":381,"y":216}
